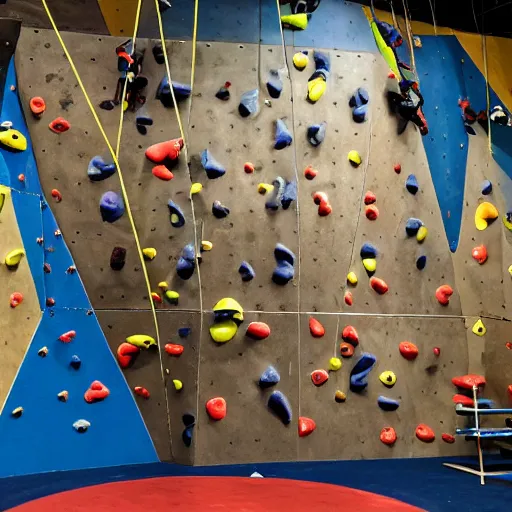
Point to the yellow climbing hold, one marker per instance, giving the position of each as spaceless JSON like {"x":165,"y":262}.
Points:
{"x":510,"y":270}
{"x":265,"y":188}
{"x":352,"y":278}
{"x":195,"y":188}
{"x":300,"y":60}
{"x":316,"y":88}
{"x":2,"y":201}
{"x":172,"y":296}
{"x":12,"y":260}
{"x":141,"y":340}
{"x":299,"y":21}
{"x":479,"y":328}
{"x":229,"y":305}
{"x":388,"y":378}
{"x":421,"y":234}
{"x":206,"y":245}
{"x":13,"y":139}
{"x":484,"y":213}
{"x":506,"y":222}
{"x":163,"y":285}
{"x":354,"y":158}
{"x":223,"y":331}
{"x":335,"y":364}
{"x":370,"y":264}
{"x":178,"y":385}
{"x":149,"y":253}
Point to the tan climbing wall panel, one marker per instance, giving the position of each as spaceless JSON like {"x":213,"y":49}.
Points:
{"x":63,"y":159}
{"x":17,"y":325}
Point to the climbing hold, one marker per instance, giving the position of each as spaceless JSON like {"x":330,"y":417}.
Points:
{"x":228,"y":309}
{"x":359,"y":114}
{"x":368,"y":250}
{"x":388,"y":404}
{"x":56,"y":195}
{"x":50,"y":302}
{"x":12,"y":139}
{"x":316,"y":133}
{"x":168,"y":150}
{"x":379,"y":285}
{"x":278,"y":187}
{"x":300,"y":60}
{"x":369,"y":198}
{"x":111,"y":207}
{"x":310,"y":173}
{"x":437,"y":351}
{"x":219,"y":210}
{"x":71,"y":269}
{"x":421,"y":262}
{"x":306,"y":426}
{"x":75,"y":362}
{"x":173,"y":349}
{"x":67,"y":337}
{"x":339,"y":396}
{"x":279,"y":405}
{"x":316,"y":329}
{"x":249,"y":103}
{"x":370,"y":264}
{"x":479,"y":328}
{"x":81,"y":426}
{"x":346,"y":349}
{"x":448,"y":438}
{"x":177,"y":216}
{"x":352,"y":278}
{"x":283,"y":137}
{"x":425,"y":433}
{"x":289,"y":194}
{"x":149,"y":253}
{"x":263,"y":188}
{"x":96,"y":392}
{"x":140,"y":391}
{"x":411,"y":184}
{"x":195,"y":188}
{"x":13,"y":258}
{"x":21,"y":178}
{"x":99,"y":170}
{"x":284,"y":272}
{"x":324,"y":207}
{"x":155,"y":297}
{"x":158,"y":53}
{"x":178,"y":385}
{"x":126,"y":354}
{"x":258,"y":330}
{"x":63,"y":396}
{"x":37,"y":106}
{"x":186,"y":435}
{"x":42,"y":352}
{"x":221,"y":332}
{"x":319,"y":377}
{"x":397,"y":168}
{"x":59,"y":125}
{"x":479,"y":254}
{"x":187,"y":262}
{"x":412,"y":226}
{"x":354,"y":158}
{"x":360,"y":97}
{"x":270,"y":377}
{"x":212,"y":167}
{"x":317,"y":83}
{"x":484,"y":215}
{"x":246,"y":271}
{"x":141,"y":341}
{"x":421,"y":234}
{"x":371,"y":212}
{"x":359,"y":374}
{"x":486,"y":188}
{"x":464,"y":400}
{"x":443,"y":294}
{"x":223,"y":92}
{"x":206,"y":245}
{"x":161,"y":172}
{"x":335,"y":364}
{"x":118,"y":258}
{"x":388,"y":378}
{"x":47,"y":268}
{"x":216,"y":408}
{"x":468,"y":381}
{"x":274,"y":83}
{"x":172,"y":297}
{"x":349,"y":334}
{"x":349,"y":300}
{"x":508,"y":344}
{"x":248,"y":168}
{"x":16,"y":413}
{"x":408,"y":350}
{"x":183,"y":332}
{"x":15,"y":299}
{"x":388,"y":436}
{"x":297,"y":21}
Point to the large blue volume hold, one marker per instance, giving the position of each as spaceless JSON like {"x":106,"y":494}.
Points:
{"x":359,"y":374}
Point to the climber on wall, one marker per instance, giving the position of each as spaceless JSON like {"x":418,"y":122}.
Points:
{"x":408,"y":105}
{"x":301,"y":6}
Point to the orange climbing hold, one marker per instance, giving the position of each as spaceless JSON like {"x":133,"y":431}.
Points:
{"x":466,"y":401}
{"x":15,"y":299}
{"x":161,"y":172}
{"x":310,"y":173}
{"x":306,"y":426}
{"x":59,"y":125}
{"x":425,"y":433}
{"x":371,"y":212}
{"x":143,"y":392}
{"x":379,"y":285}
{"x":56,"y":195}
{"x":319,"y":377}
{"x":248,"y":168}
{"x":388,"y":436}
{"x":408,"y":350}
{"x":370,"y":197}
{"x":162,"y":151}
{"x":448,"y":438}
{"x":126,"y":354}
{"x":348,"y":298}
{"x":96,"y":392}
{"x":316,"y":329}
{"x":21,"y":178}
{"x":67,"y":337}
{"x":468,"y":381}
{"x":37,"y":106}
{"x":156,"y":298}
{"x":509,"y":389}
{"x":479,"y":254}
{"x":349,"y":334}
{"x":173,"y":349}
{"x":216,"y":408}
{"x":443,"y":294}
{"x":346,"y":349}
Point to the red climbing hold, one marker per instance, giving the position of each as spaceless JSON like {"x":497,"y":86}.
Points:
{"x":508,"y":345}
{"x":346,"y":349}
{"x":156,"y":298}
{"x":248,"y":168}
{"x":216,"y":408}
{"x":448,"y":438}
{"x":96,"y":392}
{"x":320,"y":197}
{"x":408,"y":350}
{"x":324,"y":207}
{"x":56,"y":195}
{"x":310,"y":173}
{"x":319,"y":377}
{"x":21,"y":178}
{"x":161,"y":172}
{"x":379,"y":285}
{"x":59,"y":125}
{"x":388,"y":436}
{"x":425,"y":433}
{"x":348,"y":298}
{"x":126,"y":354}
{"x":306,"y":426}
{"x":162,"y":151}
{"x":468,"y":381}
{"x":47,"y":268}
{"x":15,"y":299}
{"x":173,"y":349}
{"x":143,"y":392}
{"x":371,"y":212}
{"x":50,"y":302}
{"x":479,"y":254}
{"x":509,"y":389}
{"x":443,"y":294}
{"x":397,"y":168}
{"x":67,"y":337}
{"x":316,"y":329}
{"x":258,"y":330}
{"x":466,"y":401}
{"x":437,"y":351}
{"x":349,"y":334}
{"x":370,"y":197}
{"x":37,"y":106}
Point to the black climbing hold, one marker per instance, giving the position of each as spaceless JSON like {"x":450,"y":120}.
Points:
{"x":270,"y":377}
{"x":246,"y":271}
{"x":187,"y":262}
{"x":411,"y":184}
{"x":213,"y":168}
{"x":99,"y":170}
{"x":223,"y":92}
{"x":279,"y":405}
{"x":316,"y":133}
{"x":75,"y":362}
{"x":107,"y":105}
{"x":163,"y":93}
{"x":274,"y":84}
{"x":141,"y":129}
{"x":219,"y":210}
{"x":486,"y":187}
{"x":283,"y":137}
{"x":421,"y":262}
{"x":188,"y":420}
{"x":275,"y":199}
{"x":289,"y":194}
{"x":158,"y":53}
{"x":183,"y":332}
{"x":388,"y":404}
{"x":368,"y":250}
{"x":118,"y":258}
{"x":359,"y":374}
{"x":177,"y":217}
{"x":249,"y":103}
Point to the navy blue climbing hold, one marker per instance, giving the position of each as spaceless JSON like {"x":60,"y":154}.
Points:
{"x":316,"y":133}
{"x":282,"y":253}
{"x":284,"y":271}
{"x":359,"y":374}
{"x":359,"y":114}
{"x":186,"y":436}
{"x":289,"y":194}
{"x":223,"y":92}
{"x":249,"y":103}
{"x":275,"y":199}
{"x":270,"y":377}
{"x":486,"y":187}
{"x":111,"y":206}
{"x":75,"y":362}
{"x":99,"y":170}
{"x":183,"y":332}
{"x":143,"y":120}
{"x":213,"y":168}
{"x":283,"y":137}
{"x":219,"y":210}
{"x":421,"y":262}
{"x":279,"y":405}
{"x":163,"y":93}
{"x":388,"y":404}
{"x":186,"y":262}
{"x":177,"y":217}
{"x":412,"y":226}
{"x":359,"y":98}
{"x":411,"y":184}
{"x":368,"y":250}
{"x":274,"y":84}
{"x":246,"y":271}
{"x":322,"y":64}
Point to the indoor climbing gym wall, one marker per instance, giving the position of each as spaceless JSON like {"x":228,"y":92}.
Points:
{"x":247,"y":235}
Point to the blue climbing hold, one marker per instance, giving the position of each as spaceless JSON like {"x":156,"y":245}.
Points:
{"x":246,"y":271}
{"x":219,"y":210}
{"x":359,"y":114}
{"x":274,"y":84}
{"x":368,"y":250}
{"x":183,"y":332}
{"x":316,"y":133}
{"x":75,"y":362}
{"x":270,"y":377}
{"x":177,"y":217}
{"x":99,"y":170}
{"x":289,"y":194}
{"x":249,"y":103}
{"x":359,"y":374}
{"x":275,"y":199}
{"x":163,"y":93}
{"x":186,"y":436}
{"x":279,"y":405}
{"x":284,"y":271}
{"x":186,"y":262}
{"x":322,"y":63}
{"x":486,"y":187}
{"x":282,"y":253}
{"x":388,"y":404}
{"x":411,"y":184}
{"x":359,"y":98}
{"x":213,"y":168}
{"x":283,"y":137}
{"x":412,"y":226}
{"x":111,"y":206}
{"x":421,"y":262}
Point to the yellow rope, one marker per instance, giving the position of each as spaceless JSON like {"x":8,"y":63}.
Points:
{"x":111,"y":149}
